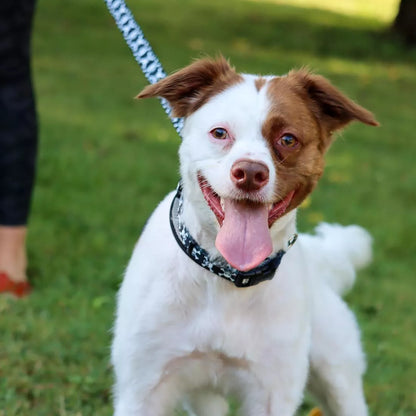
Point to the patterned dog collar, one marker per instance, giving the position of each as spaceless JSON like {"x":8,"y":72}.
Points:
{"x":265,"y":271}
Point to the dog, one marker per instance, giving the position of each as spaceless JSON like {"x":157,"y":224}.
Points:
{"x":219,"y":299}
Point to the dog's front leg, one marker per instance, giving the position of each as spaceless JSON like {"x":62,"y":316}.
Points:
{"x":140,"y":374}
{"x":274,"y":406}
{"x":144,"y":392}
{"x":280,"y":381}
{"x":128,"y":404}
{"x":136,"y":390}
{"x":280,"y":403}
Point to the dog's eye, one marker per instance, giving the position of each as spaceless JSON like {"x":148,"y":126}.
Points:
{"x":288,"y":140}
{"x":219,"y":133}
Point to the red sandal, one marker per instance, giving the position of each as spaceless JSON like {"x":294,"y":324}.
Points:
{"x":18,"y":289}
{"x":315,"y":412}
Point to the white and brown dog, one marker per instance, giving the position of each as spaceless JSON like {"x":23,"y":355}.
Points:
{"x":217,"y":300}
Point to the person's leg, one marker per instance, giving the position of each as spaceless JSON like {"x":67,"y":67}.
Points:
{"x":13,"y":259}
{"x":18,"y":134}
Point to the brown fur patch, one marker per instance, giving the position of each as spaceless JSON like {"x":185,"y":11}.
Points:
{"x":259,"y":83}
{"x":310,"y":108}
{"x":329,"y":105}
{"x":191,"y":87}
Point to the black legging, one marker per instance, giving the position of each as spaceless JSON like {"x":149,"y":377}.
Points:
{"x":18,"y":124}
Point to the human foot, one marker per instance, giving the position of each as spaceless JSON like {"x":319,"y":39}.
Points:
{"x":13,"y":261}
{"x":18,"y":289}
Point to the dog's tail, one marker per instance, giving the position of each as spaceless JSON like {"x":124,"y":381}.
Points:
{"x":337,"y":252}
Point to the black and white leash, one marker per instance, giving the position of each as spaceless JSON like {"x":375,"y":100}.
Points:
{"x":141,"y":49}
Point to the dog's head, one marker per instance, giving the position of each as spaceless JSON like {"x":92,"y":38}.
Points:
{"x":253,"y":147}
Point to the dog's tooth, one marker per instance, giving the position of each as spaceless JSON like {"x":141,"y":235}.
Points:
{"x":222,"y":203}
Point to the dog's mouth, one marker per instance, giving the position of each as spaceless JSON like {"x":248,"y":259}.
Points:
{"x":244,"y":239}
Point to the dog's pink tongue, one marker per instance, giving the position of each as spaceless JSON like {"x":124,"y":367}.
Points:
{"x":244,"y":239}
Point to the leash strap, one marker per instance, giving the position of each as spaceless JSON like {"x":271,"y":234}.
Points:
{"x":142,"y":51}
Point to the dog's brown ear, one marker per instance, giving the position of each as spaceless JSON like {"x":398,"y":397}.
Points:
{"x":189,"y":88}
{"x":330,"y":106}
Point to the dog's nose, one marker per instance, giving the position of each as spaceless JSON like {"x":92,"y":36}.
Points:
{"x":249,"y":175}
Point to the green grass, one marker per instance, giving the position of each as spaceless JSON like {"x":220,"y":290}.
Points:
{"x":106,"y":160}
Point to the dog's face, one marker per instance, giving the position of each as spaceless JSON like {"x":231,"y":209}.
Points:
{"x":253,"y":146}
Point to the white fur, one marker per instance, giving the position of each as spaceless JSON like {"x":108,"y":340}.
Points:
{"x":184,"y":335}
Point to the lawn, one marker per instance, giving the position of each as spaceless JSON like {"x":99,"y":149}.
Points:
{"x":106,"y":160}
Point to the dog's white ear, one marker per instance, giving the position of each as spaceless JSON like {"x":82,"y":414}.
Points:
{"x":332,"y":108}
{"x":191,"y":87}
